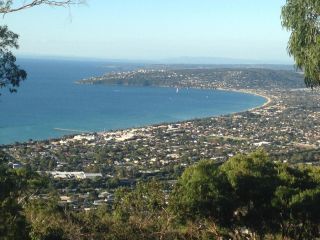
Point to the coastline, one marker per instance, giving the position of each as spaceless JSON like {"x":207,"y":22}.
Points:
{"x":246,"y":91}
{"x":126,"y":131}
{"x":252,"y":92}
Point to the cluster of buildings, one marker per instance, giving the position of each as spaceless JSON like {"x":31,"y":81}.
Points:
{"x":72,"y":175}
{"x":287,"y":127}
{"x":280,"y":126}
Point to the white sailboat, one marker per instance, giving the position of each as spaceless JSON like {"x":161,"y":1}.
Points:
{"x":177,"y":90}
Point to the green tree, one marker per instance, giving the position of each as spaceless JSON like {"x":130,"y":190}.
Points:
{"x":203,"y":191}
{"x":250,"y":196}
{"x":254,"y":179}
{"x":13,"y":224}
{"x":141,"y":213}
{"x":296,"y":202}
{"x":10,"y":73}
{"x":50,"y":222}
{"x":302,"y":18}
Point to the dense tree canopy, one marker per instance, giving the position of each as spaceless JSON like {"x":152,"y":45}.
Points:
{"x":302,"y":18}
{"x":13,"y":224}
{"x":250,"y":195}
{"x":247,"y":197}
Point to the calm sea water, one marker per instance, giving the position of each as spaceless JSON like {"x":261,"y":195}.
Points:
{"x":49,"y":100}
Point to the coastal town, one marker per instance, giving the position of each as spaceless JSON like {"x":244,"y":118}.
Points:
{"x":87,"y":168}
{"x":159,"y":120}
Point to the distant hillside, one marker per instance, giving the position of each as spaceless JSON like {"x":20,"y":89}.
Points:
{"x":217,"y":60}
{"x":257,"y":78}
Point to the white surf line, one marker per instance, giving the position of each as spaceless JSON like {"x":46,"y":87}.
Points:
{"x":71,"y":130}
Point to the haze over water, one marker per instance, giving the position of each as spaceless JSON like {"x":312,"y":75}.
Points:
{"x":49,"y":100}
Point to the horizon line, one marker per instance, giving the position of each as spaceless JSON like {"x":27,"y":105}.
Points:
{"x":185,"y":60}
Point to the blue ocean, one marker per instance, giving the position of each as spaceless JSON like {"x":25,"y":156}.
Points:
{"x":49,"y":104}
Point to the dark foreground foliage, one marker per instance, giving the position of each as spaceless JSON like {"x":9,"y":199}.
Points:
{"x":247,"y":197}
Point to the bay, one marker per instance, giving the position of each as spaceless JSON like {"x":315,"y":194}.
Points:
{"x":49,"y":104}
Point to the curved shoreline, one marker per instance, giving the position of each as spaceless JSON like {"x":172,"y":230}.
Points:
{"x":123,"y":133}
{"x":245,"y":91}
{"x":252,"y":92}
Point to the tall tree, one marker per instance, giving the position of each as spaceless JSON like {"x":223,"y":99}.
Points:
{"x":302,"y":18}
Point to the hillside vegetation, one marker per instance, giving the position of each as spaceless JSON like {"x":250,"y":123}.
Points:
{"x":247,"y":197}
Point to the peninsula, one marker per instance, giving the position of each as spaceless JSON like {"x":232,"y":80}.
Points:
{"x":287,"y":127}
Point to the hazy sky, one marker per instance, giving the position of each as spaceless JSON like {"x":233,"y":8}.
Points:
{"x":155,"y":29}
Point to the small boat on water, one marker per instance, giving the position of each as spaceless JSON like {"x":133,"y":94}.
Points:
{"x":177,"y":90}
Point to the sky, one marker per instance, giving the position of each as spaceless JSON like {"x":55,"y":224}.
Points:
{"x":154,"y":30}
